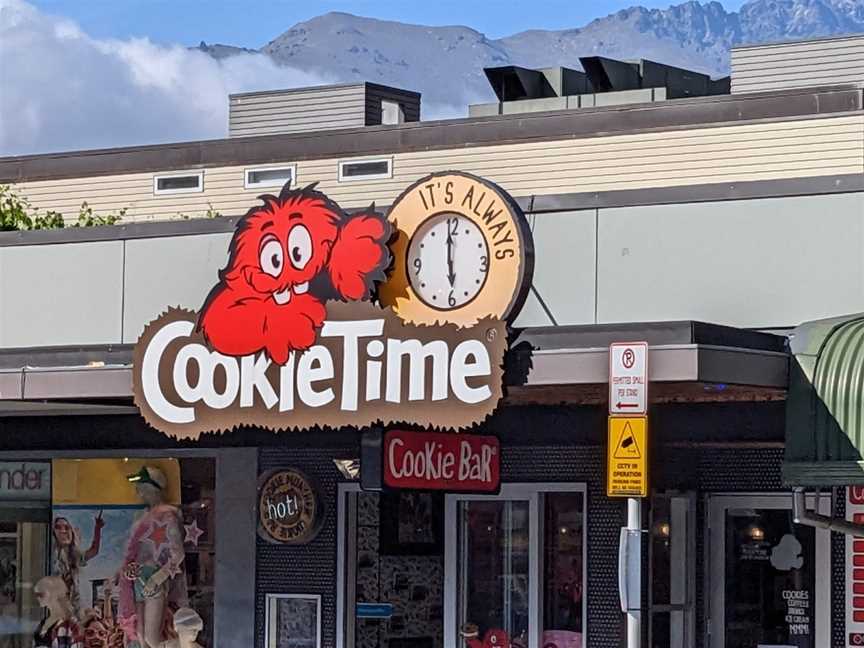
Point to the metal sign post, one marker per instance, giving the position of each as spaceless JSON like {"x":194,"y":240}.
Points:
{"x":627,"y":469}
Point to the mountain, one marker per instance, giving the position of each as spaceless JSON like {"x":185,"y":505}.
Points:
{"x":446,"y":63}
{"x":218,"y":51}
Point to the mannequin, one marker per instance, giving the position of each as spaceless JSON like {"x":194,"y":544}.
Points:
{"x":187,"y":625}
{"x":152,"y":582}
{"x":58,"y":629}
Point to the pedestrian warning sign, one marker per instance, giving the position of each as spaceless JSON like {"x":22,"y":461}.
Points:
{"x":627,"y":474}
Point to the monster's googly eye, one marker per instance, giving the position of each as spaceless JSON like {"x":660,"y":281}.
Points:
{"x":299,"y":246}
{"x":271,"y":256}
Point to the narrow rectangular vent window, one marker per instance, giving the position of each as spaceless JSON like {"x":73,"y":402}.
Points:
{"x":188,"y":183}
{"x":365,"y":170}
{"x":269,"y":177}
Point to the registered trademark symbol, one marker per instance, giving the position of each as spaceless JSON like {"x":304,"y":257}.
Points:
{"x":491,"y":334}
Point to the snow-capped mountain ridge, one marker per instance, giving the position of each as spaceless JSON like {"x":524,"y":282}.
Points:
{"x":446,"y":63}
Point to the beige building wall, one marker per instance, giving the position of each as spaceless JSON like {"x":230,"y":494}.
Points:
{"x":779,"y":66}
{"x":817,"y":146}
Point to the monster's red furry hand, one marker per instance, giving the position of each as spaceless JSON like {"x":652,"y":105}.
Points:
{"x":266,"y":297}
{"x":358,"y":251}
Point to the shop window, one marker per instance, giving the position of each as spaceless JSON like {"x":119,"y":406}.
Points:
{"x":113,"y":547}
{"x":672,"y":559}
{"x":564,"y":585}
{"x":393,"y":554}
{"x":516,"y":567}
{"x":769,"y":578}
{"x":366,"y":170}
{"x":178,"y":183}
{"x":273,"y":177}
{"x":461,"y":569}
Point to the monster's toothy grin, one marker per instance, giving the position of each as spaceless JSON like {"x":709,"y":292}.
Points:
{"x":284,"y":296}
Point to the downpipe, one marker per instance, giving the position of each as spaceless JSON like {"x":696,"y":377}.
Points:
{"x":802,"y":516}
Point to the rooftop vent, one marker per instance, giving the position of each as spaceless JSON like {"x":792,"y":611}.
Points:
{"x":604,"y":82}
{"x":513,"y":83}
{"x":320,"y":108}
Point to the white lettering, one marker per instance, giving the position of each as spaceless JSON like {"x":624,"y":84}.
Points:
{"x":391,"y":457}
{"x":253,"y":377}
{"x":417,"y":354}
{"x":396,"y":370}
{"x":201,"y":356}
{"x":351,"y":332}
{"x":374,"y":349}
{"x":286,"y":384}
{"x":232,"y":381}
{"x":150,"y":374}
{"x":465,"y":455}
{"x":316,"y":364}
{"x":461,"y":369}
{"x":447,"y":465}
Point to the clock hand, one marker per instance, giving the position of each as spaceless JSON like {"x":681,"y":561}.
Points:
{"x":451,"y":275}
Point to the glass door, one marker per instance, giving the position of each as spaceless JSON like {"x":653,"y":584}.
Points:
{"x":768,"y":577}
{"x":494,"y":543}
{"x":515,"y":568}
{"x":23,"y":561}
{"x":672,"y":558}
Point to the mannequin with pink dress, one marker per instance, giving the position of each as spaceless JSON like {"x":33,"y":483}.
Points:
{"x":152,"y":579}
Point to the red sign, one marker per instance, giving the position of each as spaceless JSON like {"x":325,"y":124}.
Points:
{"x":434,"y":461}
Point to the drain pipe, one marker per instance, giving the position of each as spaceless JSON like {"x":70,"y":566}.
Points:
{"x":802,"y":516}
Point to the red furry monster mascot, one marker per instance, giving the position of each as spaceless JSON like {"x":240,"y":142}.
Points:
{"x":287,"y":257}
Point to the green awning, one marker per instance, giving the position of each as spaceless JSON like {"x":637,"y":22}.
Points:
{"x":825,"y":404}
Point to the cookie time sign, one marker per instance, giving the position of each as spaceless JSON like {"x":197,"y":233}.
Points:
{"x":291,"y":336}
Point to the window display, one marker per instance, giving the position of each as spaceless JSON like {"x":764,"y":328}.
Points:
{"x":293,"y":621}
{"x":132,"y":543}
{"x":517,"y":565}
{"x":59,"y":628}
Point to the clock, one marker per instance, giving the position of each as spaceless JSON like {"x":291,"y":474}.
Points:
{"x":463,"y":252}
{"x":448,"y":261}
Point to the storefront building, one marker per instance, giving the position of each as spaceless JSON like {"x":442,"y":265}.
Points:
{"x":293,"y":489}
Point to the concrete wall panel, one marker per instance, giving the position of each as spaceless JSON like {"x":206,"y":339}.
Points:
{"x":61,"y":294}
{"x":751,"y":263}
{"x":178,"y":271}
{"x":564,"y":263}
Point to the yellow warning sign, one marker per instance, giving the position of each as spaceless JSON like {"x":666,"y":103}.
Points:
{"x":627,"y":470}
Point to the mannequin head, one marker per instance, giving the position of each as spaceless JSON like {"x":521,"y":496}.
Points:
{"x":150,"y":483}
{"x":53,"y":594}
{"x":187,"y":625}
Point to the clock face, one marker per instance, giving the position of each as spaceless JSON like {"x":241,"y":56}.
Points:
{"x":462,"y":252}
{"x":447,"y":261}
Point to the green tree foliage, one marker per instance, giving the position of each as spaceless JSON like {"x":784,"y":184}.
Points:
{"x":16,"y":213}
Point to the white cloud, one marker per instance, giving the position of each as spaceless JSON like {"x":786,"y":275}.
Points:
{"x":62,"y":90}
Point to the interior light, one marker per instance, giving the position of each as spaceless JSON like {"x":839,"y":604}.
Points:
{"x":756,"y":532}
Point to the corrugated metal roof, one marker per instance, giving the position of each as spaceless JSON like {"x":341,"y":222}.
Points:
{"x":825,"y":406}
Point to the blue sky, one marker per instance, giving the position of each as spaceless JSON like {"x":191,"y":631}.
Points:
{"x":252,"y":23}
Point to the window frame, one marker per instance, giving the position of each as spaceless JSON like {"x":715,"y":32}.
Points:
{"x":373,"y":176}
{"x":716,"y":507}
{"x":186,"y":190}
{"x":247,"y":184}
{"x":534,"y":494}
